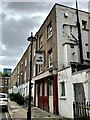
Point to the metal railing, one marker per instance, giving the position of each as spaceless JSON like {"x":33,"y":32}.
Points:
{"x":81,"y":110}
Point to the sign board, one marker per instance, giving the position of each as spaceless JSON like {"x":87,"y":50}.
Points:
{"x":39,"y":58}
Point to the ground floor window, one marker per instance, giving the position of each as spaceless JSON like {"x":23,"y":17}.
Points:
{"x":62,"y":88}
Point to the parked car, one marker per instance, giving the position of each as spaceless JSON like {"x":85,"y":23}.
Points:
{"x":3,"y":101}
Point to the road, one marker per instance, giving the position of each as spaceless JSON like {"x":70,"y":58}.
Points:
{"x":4,"y":115}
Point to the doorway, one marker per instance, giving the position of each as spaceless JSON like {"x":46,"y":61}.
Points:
{"x":79,"y":93}
{"x":50,"y":96}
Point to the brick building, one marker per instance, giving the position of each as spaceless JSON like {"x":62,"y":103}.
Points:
{"x":57,"y":38}
{"x":46,"y":79}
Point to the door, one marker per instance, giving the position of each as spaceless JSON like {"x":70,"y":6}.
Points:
{"x":79,"y":93}
{"x":50,"y":96}
{"x":36,"y":95}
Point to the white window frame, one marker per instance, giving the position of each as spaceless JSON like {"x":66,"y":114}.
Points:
{"x":84,"y":24}
{"x":18,"y":80}
{"x":49,"y":30}
{"x":25,"y":62}
{"x":18,"y":69}
{"x":40,"y":68}
{"x":50,"y":60}
{"x":62,"y":89}
{"x":40,"y":42}
{"x":25,"y":76}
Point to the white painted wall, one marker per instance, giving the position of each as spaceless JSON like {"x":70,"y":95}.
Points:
{"x":66,"y":103}
{"x":62,"y":37}
{"x":70,"y":54}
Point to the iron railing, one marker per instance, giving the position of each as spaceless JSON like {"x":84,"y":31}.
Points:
{"x":81,"y":110}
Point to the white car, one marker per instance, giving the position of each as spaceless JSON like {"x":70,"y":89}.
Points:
{"x":3,"y":101}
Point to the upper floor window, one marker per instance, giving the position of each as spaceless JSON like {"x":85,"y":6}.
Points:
{"x":50,"y":60}
{"x":25,"y":62}
{"x":18,"y":69}
{"x":88,"y":54}
{"x":18,"y":80}
{"x":25,"y":76}
{"x":40,"y":42}
{"x":40,"y":68}
{"x":49,"y":30}
{"x":84,"y":24}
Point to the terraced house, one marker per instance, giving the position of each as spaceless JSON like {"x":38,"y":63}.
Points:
{"x":59,"y":79}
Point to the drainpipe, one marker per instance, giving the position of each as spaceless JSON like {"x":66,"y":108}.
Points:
{"x":79,"y":35}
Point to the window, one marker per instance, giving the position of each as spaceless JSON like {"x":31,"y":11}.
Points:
{"x":25,"y":76}
{"x":62,"y":88}
{"x":25,"y":62}
{"x":40,"y":68}
{"x":18,"y":69}
{"x":18,"y":80}
{"x":50,"y":88}
{"x":34,"y":72}
{"x":45,"y":88}
{"x":40,"y":89}
{"x":84,"y":24}
{"x":50,"y":61}
{"x":40,"y":42}
{"x":88,"y":54}
{"x":49,"y":30}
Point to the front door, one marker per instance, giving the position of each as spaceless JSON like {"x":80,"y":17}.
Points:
{"x":79,"y":98}
{"x":36,"y":95}
{"x":50,"y":96}
{"x":79,"y":92}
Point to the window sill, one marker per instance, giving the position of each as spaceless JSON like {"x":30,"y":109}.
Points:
{"x":63,"y":98}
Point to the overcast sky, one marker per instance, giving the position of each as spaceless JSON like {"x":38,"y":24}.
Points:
{"x":17,"y":21}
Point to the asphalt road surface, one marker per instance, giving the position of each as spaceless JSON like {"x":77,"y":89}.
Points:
{"x":4,"y":115}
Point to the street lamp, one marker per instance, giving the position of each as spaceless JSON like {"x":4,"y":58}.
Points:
{"x":30,"y":39}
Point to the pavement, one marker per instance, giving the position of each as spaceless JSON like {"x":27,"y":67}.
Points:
{"x":20,"y":113}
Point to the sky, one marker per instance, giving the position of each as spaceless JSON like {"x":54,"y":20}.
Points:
{"x":18,"y":19}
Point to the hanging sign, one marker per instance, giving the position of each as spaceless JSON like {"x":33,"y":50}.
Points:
{"x":39,"y":58}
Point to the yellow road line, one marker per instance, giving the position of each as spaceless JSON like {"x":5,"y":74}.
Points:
{"x":6,"y":114}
